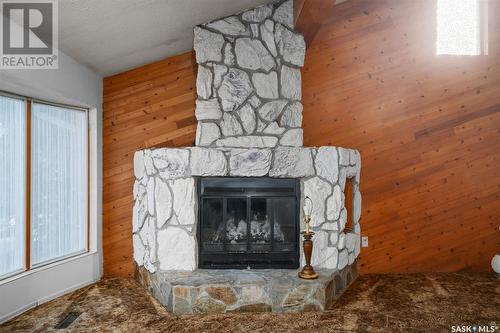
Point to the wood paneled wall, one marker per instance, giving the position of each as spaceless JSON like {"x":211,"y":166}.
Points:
{"x":151,"y":106}
{"x":427,"y":126}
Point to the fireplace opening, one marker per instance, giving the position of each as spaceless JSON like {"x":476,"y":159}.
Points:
{"x":248,"y":222}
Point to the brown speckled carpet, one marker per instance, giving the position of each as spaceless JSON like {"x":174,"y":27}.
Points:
{"x":374,"y":303}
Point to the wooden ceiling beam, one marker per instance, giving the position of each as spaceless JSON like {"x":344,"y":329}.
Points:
{"x":309,"y":16}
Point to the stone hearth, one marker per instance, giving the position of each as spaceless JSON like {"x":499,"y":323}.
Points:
{"x":249,"y":125}
{"x":220,"y":291}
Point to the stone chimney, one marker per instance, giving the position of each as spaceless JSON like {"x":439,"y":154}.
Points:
{"x":249,"y":126}
{"x":249,"y":81}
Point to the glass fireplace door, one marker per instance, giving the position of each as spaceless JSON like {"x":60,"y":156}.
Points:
{"x":260,"y":225}
{"x":284,"y":228}
{"x":248,"y":223}
{"x":236,"y":225}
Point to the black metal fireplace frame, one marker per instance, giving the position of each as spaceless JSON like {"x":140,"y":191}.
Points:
{"x":231,"y":187}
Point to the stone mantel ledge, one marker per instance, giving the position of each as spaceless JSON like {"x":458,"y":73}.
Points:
{"x":165,"y":209}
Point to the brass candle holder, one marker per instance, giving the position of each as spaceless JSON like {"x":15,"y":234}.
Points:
{"x":307,"y":271}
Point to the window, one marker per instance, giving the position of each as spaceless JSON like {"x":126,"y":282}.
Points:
{"x":58,"y":182}
{"x":462,"y":27}
{"x":43,"y":183}
{"x":12,"y":185}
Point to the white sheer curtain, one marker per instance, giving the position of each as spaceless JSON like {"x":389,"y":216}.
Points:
{"x":58,"y":182}
{"x":12,"y":184}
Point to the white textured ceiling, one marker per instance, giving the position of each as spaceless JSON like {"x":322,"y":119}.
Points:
{"x":111,"y":36}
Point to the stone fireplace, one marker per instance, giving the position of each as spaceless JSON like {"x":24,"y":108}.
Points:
{"x":216,"y":227}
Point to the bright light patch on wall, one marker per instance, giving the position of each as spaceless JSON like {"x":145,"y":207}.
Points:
{"x":459,"y":27}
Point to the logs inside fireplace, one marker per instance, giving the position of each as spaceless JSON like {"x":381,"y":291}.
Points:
{"x":248,"y":223}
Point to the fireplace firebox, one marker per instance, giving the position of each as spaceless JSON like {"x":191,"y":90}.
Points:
{"x":248,"y":223}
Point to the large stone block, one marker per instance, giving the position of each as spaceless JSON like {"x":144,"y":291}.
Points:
{"x":207,"y":45}
{"x":250,"y":162}
{"x":284,"y":14}
{"x":291,"y":45}
{"x":206,"y":133}
{"x":247,"y":117}
{"x":334,"y":204}
{"x":323,"y":255}
{"x":266,"y":85}
{"x":272,"y":110}
{"x":235,"y":89}
{"x":230,"y":125}
{"x":318,"y":191}
{"x":327,"y":164}
{"x":291,"y":83}
{"x":184,"y":200}
{"x":292,"y":115}
{"x":292,"y":162}
{"x":172,"y":163}
{"x":231,"y":26}
{"x":204,"y":82}
{"x":293,"y":137}
{"x":163,"y":201}
{"x":208,"y":162}
{"x":224,"y":294}
{"x":139,"y":164}
{"x":206,"y":304}
{"x":251,"y":54}
{"x":176,"y":249}
{"x":208,"y":110}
